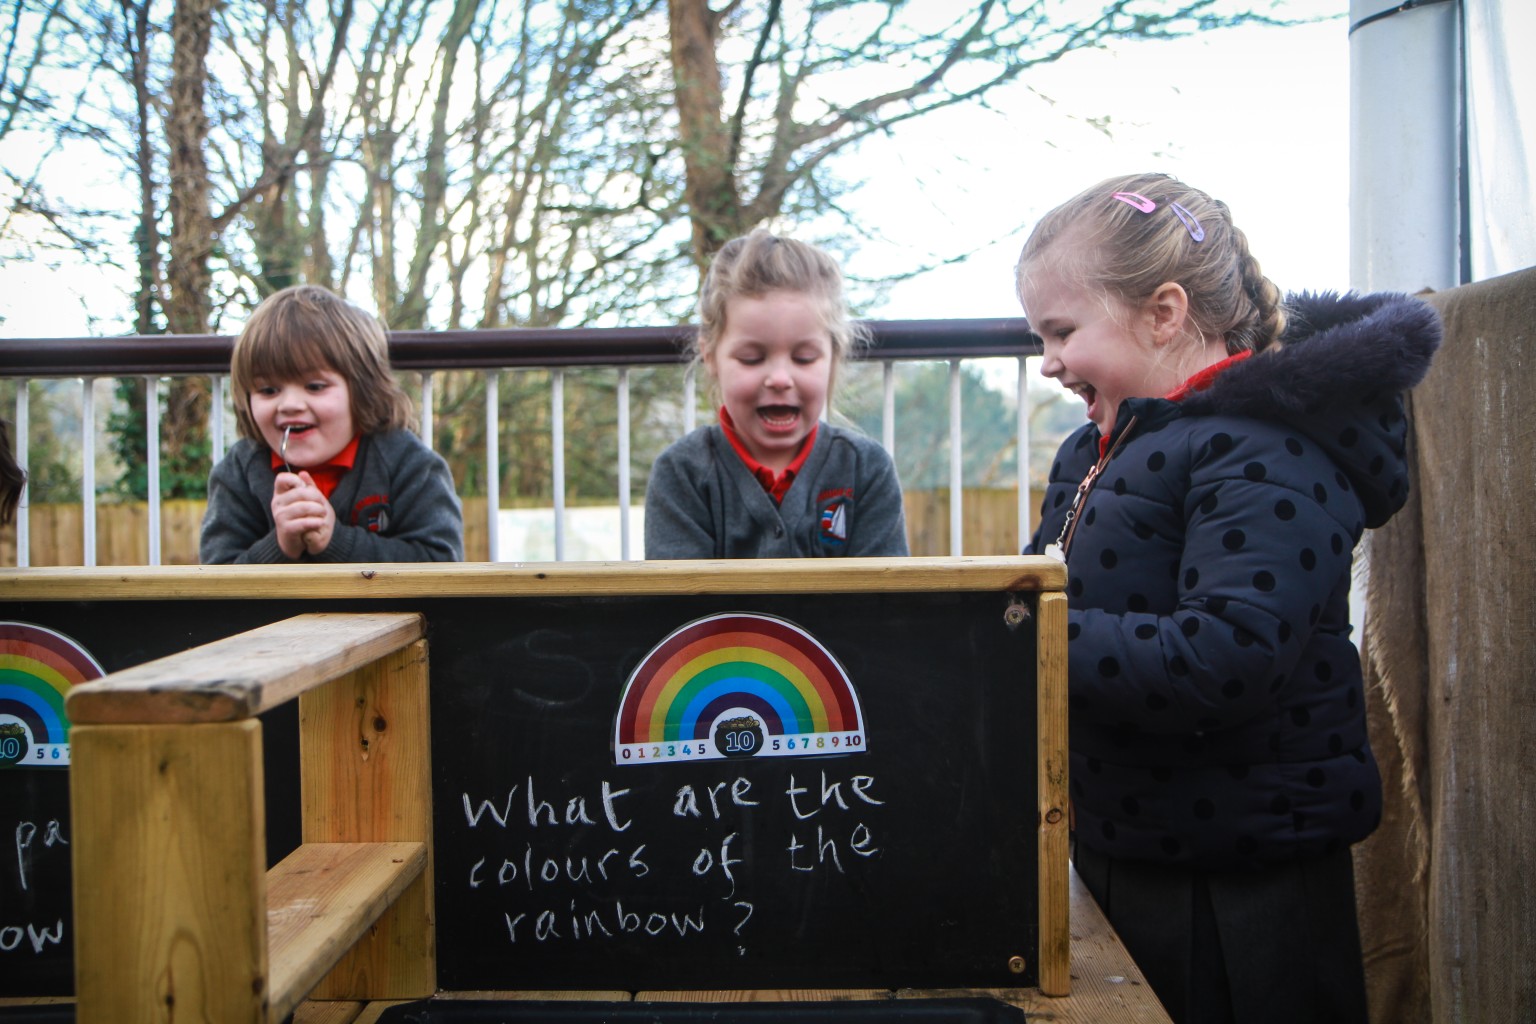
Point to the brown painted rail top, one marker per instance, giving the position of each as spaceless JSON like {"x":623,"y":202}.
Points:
{"x":242,"y":676}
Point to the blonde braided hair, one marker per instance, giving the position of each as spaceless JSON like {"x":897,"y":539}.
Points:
{"x":1126,"y":252}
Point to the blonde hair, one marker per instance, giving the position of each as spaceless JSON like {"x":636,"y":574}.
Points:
{"x":762,"y":262}
{"x":1110,"y":245}
{"x":297,"y":331}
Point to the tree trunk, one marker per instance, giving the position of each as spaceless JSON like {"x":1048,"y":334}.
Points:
{"x":711,"y":190}
{"x":186,"y":134}
{"x":146,"y":235}
{"x":185,"y":416}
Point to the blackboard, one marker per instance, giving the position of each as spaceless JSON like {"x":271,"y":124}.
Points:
{"x":38,"y":667}
{"x":36,"y":952}
{"x":906,"y":860}
{"x":36,"y":877}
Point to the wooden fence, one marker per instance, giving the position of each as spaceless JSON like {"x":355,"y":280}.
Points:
{"x":122,"y":536}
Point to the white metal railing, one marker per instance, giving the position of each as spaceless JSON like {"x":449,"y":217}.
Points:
{"x":1015,"y":343}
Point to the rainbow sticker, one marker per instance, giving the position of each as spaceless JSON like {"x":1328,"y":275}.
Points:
{"x":737,"y":685}
{"x":37,"y":668}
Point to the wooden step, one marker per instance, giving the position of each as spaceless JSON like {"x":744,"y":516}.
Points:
{"x":321,"y":900}
{"x":241,"y":676}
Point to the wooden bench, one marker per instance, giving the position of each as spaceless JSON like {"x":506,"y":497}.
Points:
{"x":174,"y":905}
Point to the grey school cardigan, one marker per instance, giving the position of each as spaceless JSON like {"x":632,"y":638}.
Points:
{"x":396,"y":504}
{"x":703,"y":502}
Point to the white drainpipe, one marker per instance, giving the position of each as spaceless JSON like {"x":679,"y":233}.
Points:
{"x":1405,"y":208}
{"x":1405,"y":144}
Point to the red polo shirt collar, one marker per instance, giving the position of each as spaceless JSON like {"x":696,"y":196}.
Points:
{"x":1206,"y":377}
{"x":1197,"y":382}
{"x":328,"y":474}
{"x":776,"y":484}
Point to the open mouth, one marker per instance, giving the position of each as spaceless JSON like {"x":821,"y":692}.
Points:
{"x":1087,"y":393}
{"x":779,"y":417}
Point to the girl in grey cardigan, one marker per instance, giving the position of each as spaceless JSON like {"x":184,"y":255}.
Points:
{"x":770,"y":480}
{"x":325,"y":470}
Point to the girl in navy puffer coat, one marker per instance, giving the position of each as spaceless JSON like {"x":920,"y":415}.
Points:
{"x":1239,"y":445}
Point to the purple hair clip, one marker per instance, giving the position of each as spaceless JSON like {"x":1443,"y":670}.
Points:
{"x":1139,"y":202}
{"x":1190,"y":221}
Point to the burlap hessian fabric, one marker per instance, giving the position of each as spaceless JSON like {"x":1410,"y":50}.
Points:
{"x":1447,"y":886}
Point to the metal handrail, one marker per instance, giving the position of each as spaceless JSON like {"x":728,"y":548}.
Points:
{"x":555,"y":349}
{"x":178,"y":354}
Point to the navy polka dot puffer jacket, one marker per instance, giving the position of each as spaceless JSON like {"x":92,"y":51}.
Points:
{"x":1217,"y":711}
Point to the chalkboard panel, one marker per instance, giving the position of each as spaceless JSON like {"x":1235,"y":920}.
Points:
{"x":910,"y":861}
{"x":36,"y":951}
{"x":36,"y":890}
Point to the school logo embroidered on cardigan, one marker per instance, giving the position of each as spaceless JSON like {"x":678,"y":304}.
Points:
{"x":835,"y":509}
{"x":372,"y":513}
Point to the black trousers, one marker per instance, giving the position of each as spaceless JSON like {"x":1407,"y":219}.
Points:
{"x":1280,"y":944}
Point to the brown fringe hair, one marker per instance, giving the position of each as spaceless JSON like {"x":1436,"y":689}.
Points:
{"x":305,"y":328}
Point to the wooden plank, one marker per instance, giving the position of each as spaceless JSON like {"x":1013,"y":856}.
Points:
{"x":991,"y":525}
{"x":365,"y":765}
{"x":1108,"y":987}
{"x":169,"y":853}
{"x":556,"y":996}
{"x":777,"y":995}
{"x":181,"y":529}
{"x":244,"y":675}
{"x":58,"y":535}
{"x":373,"y":1011}
{"x":321,"y":900}
{"x":322,"y":1012}
{"x":540,"y":579}
{"x":989,"y":519}
{"x":1055,"y":975}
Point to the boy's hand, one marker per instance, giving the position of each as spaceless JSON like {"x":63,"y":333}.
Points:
{"x":304,"y":518}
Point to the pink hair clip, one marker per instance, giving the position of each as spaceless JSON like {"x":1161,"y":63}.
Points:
{"x":1136,"y":200}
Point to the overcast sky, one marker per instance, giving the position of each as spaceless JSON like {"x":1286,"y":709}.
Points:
{"x":1257,"y":117}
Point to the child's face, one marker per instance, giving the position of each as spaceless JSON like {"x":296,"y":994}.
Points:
{"x":773,"y":362}
{"x":1101,"y":353}
{"x":318,"y":408}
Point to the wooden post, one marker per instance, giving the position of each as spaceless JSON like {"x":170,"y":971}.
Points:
{"x":170,"y":873}
{"x":1051,"y":690}
{"x":365,"y":756}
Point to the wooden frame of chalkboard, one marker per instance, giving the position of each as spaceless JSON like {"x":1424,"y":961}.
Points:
{"x":927,"y":848}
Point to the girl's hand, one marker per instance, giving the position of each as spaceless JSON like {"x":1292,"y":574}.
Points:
{"x":303,"y":516}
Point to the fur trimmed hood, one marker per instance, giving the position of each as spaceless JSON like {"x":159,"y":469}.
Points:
{"x":1338,"y":376}
{"x":1336,"y":348}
